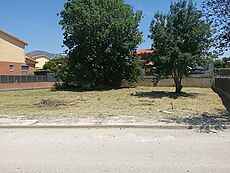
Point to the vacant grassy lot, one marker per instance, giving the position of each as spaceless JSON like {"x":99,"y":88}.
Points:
{"x":140,"y":101}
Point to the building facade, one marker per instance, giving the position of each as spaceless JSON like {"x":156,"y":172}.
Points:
{"x":12,"y":56}
{"x":41,"y":57}
{"x":41,"y":61}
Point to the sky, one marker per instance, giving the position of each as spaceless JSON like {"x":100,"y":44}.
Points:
{"x":36,"y":21}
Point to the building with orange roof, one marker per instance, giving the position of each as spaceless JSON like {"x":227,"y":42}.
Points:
{"x":143,"y":55}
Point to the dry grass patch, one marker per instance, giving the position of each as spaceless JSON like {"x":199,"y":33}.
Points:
{"x":140,"y":101}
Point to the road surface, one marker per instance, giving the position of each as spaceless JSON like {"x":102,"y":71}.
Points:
{"x":113,"y":150}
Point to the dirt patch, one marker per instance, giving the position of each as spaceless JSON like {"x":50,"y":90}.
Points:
{"x":49,"y":103}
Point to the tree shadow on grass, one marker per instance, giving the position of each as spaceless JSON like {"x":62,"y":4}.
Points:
{"x":162,"y":94}
{"x":79,"y":89}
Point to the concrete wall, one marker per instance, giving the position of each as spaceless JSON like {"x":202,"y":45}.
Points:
{"x":222,"y":88}
{"x":187,"y":82}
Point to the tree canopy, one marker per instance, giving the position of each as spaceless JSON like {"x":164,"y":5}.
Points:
{"x":54,"y":64}
{"x":182,"y":39}
{"x":100,"y":36}
{"x":218,"y":13}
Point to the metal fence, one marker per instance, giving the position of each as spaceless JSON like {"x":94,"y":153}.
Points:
{"x":26,"y":78}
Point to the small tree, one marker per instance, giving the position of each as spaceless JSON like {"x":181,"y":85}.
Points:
{"x":58,"y":66}
{"x":218,"y":13}
{"x":100,"y":36}
{"x":219,"y":63}
{"x":181,"y":38}
{"x":54,"y":64}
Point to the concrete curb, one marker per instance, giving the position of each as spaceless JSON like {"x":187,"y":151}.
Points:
{"x":87,"y":126}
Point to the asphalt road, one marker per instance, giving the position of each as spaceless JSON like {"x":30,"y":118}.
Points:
{"x":113,"y":150}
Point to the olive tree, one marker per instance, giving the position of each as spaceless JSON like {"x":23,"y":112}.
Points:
{"x":182,"y":38}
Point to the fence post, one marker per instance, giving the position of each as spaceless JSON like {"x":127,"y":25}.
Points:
{"x":212,"y":74}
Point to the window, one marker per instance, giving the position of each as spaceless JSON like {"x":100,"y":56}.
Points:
{"x":11,"y":67}
{"x":24,"y":67}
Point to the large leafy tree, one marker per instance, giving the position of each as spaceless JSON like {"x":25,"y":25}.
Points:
{"x":218,"y":13}
{"x":181,"y":38}
{"x":100,"y":36}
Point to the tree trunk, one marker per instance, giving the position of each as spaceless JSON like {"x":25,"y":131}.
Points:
{"x":178,"y":85}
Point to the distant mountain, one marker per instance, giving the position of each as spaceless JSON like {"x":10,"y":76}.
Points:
{"x":39,"y":52}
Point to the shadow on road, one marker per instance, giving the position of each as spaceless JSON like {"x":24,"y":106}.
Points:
{"x":205,"y":121}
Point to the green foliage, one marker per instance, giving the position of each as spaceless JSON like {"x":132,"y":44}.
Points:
{"x":58,"y":66}
{"x":182,"y":39}
{"x":100,"y":36}
{"x":54,"y":64}
{"x":218,"y":13}
{"x":226,"y":61}
{"x":134,"y":71}
{"x":219,"y":63}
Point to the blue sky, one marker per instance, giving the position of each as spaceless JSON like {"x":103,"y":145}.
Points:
{"x":36,"y":21}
